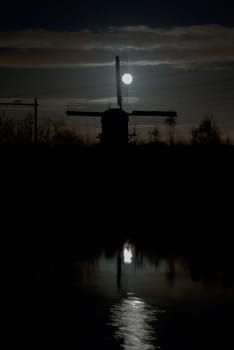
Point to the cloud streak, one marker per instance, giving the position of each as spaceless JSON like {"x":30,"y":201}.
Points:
{"x":177,"y":46}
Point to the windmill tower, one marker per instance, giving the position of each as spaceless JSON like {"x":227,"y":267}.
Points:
{"x":115,"y":120}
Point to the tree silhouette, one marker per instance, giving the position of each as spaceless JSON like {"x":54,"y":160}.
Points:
{"x":171,"y":123}
{"x":154,"y":135}
{"x":207,"y":133}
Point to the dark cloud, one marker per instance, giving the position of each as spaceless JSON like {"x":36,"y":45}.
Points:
{"x":178,"y":46}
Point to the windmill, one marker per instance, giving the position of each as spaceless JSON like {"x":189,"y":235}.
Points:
{"x":115,"y":120}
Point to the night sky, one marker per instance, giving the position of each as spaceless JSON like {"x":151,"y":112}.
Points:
{"x":181,"y":54}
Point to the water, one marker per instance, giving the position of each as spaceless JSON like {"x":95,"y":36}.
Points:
{"x":132,"y":321}
{"x":120,"y":299}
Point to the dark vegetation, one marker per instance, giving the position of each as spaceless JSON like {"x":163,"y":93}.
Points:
{"x":65,"y":198}
{"x":19,"y":135}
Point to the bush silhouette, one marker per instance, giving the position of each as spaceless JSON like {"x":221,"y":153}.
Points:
{"x":207,"y":133}
{"x":171,"y":123}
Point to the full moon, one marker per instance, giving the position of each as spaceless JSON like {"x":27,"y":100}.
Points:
{"x":127,"y":79}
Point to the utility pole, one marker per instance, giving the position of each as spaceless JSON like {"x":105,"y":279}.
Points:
{"x":35,"y":105}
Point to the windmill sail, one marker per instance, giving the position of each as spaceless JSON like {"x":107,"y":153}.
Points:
{"x":154,"y":113}
{"x":115,"y":121}
{"x":84,"y":114}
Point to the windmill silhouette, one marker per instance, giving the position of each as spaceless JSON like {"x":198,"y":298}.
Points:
{"x":115,"y":120}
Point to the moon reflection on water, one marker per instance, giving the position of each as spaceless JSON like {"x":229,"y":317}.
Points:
{"x":132,"y":320}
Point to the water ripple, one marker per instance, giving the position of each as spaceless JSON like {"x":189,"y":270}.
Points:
{"x":132,"y":320}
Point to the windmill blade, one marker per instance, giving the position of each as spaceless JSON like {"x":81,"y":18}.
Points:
{"x":155,"y":113}
{"x":84,"y":114}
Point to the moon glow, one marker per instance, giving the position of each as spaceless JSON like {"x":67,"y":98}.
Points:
{"x":127,"y":79}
